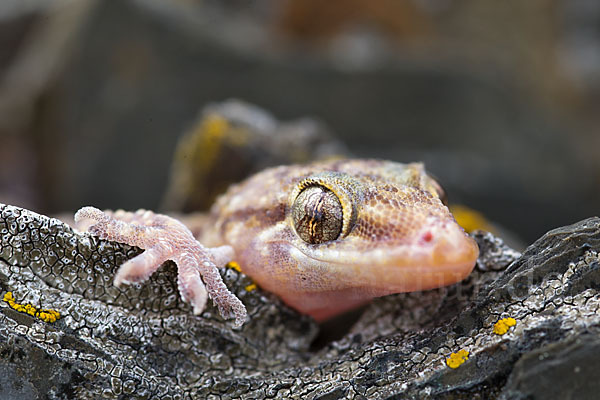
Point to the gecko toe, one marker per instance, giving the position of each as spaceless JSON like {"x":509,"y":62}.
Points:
{"x":164,"y":238}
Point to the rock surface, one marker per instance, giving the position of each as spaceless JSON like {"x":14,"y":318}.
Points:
{"x":141,"y":341}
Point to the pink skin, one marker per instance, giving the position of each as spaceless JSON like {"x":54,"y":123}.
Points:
{"x":165,"y":238}
{"x":334,"y":282}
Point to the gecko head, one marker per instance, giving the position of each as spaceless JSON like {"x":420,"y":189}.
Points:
{"x":381,"y":232}
{"x":357,"y":229}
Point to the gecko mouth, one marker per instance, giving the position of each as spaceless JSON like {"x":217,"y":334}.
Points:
{"x":418,"y":266}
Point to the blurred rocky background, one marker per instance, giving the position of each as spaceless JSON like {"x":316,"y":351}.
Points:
{"x":499,"y":98}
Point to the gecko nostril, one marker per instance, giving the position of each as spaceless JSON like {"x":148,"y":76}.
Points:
{"x":427,"y":237}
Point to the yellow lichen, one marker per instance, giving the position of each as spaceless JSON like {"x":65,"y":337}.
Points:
{"x":502,"y":326}
{"x":470,"y":219}
{"x":234,"y":265}
{"x":457,"y":359}
{"x":250,"y":287}
{"x":45,"y":315}
{"x":212,"y":130}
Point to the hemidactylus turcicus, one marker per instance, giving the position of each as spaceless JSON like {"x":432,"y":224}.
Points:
{"x":325,"y":237}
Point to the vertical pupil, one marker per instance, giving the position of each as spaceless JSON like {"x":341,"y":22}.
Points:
{"x":313,"y":209}
{"x":317,"y":215}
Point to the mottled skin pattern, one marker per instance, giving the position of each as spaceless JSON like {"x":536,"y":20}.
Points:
{"x":395,"y":235}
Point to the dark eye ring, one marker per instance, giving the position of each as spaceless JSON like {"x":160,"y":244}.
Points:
{"x":317,"y":215}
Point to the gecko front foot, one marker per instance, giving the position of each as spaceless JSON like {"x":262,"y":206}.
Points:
{"x":164,"y":238}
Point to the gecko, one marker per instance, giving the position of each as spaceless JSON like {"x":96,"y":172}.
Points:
{"x":325,"y":237}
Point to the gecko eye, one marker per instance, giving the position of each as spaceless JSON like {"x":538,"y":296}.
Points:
{"x":317,"y":215}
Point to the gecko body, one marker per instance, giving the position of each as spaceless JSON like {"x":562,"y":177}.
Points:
{"x":325,"y":237}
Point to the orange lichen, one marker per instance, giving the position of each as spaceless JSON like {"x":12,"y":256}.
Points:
{"x":250,"y":287}
{"x":457,"y":359}
{"x":46,"y":315}
{"x":211,"y":135}
{"x":503,"y":325}
{"x":234,"y":265}
{"x":213,"y":129}
{"x":470,"y":219}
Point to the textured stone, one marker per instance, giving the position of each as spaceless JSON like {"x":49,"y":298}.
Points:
{"x":140,"y":338}
{"x":141,"y":341}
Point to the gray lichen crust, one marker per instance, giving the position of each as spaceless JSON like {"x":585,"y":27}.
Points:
{"x":138,"y":340}
{"x":142,"y":341}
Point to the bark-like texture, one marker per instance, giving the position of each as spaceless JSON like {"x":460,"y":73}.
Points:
{"x":141,"y":341}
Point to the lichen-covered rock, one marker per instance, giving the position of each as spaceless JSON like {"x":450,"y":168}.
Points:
{"x":141,"y":341}
{"x":245,"y":138}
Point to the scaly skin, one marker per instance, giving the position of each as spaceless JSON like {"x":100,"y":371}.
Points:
{"x":325,"y":237}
